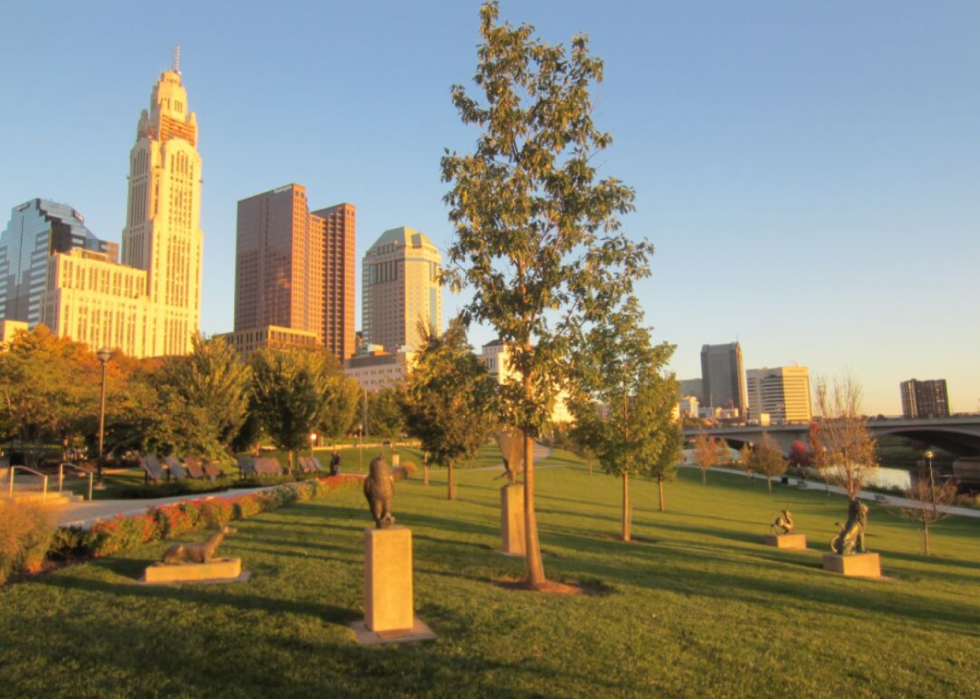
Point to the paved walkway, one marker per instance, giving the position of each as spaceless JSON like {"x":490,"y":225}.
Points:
{"x":890,"y":500}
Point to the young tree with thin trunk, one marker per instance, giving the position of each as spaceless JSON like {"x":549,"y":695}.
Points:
{"x":614,"y":364}
{"x":817,"y":458}
{"x":537,"y":235}
{"x":927,"y":498}
{"x":705,"y":454}
{"x":664,"y":467}
{"x":745,"y":461}
{"x":724,"y":453}
{"x":847,"y":449}
{"x":450,"y":400}
{"x":767,"y":459}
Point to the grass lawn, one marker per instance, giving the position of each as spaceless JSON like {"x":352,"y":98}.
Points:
{"x":698,"y":608}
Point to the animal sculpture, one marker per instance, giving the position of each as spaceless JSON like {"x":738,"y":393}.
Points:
{"x":511,"y":443}
{"x":851,"y":537}
{"x":379,"y":489}
{"x":783,"y":521}
{"x":202,"y":552}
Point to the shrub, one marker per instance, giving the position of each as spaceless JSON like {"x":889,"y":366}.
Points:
{"x":245,"y":506}
{"x":408,"y":469}
{"x":215,"y":512}
{"x":182,"y":487}
{"x":179,"y":518}
{"x":120,"y":533}
{"x":26,"y":531}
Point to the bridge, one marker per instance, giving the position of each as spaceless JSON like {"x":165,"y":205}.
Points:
{"x":957,"y":435}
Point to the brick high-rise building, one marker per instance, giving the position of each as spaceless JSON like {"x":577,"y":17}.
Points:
{"x":295,"y":269}
{"x":925,"y":398}
{"x":400,"y":287}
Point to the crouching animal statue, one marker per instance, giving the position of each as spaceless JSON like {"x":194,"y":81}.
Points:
{"x":202,"y":552}
{"x":851,"y":537}
{"x":783,"y":521}
{"x":379,"y":489}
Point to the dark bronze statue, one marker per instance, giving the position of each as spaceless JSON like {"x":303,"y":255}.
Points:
{"x":379,"y":489}
{"x":201,"y":552}
{"x":783,"y":521}
{"x":511,"y":443}
{"x":851,"y":537}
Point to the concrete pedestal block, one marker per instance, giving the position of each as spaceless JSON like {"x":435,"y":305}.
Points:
{"x":512,"y":541}
{"x":857,"y":565}
{"x":791,"y":542}
{"x":218,"y":569}
{"x":388,"y":600}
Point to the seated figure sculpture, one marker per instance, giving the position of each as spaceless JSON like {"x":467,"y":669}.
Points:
{"x":202,"y":552}
{"x":511,"y":443}
{"x":783,"y":521}
{"x":850,"y":540}
{"x":379,"y":489}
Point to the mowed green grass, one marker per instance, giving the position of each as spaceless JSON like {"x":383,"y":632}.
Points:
{"x":697,"y":607}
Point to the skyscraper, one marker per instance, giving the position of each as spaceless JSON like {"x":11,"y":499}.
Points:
{"x":163,"y":234}
{"x":782,"y":392}
{"x":37,"y":230}
{"x":400,"y":286}
{"x":925,"y":398}
{"x":723,"y":377}
{"x":295,"y":270}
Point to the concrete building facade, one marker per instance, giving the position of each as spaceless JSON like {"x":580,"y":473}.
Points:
{"x":495,"y":356}
{"x":723,"y":378}
{"x":378,"y":369}
{"x":295,"y":269}
{"x":924,"y":398}
{"x":781,"y":392}
{"x":399,"y":288}
{"x":271,"y":337}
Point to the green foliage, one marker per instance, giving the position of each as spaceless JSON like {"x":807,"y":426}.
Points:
{"x":767,"y":459}
{"x":291,"y":394}
{"x":386,"y":415}
{"x":205,"y":394}
{"x":450,"y":400}
{"x":26,"y":532}
{"x":343,"y":403}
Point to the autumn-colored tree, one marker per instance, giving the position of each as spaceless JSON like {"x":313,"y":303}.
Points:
{"x":724,"y":453}
{"x":745,"y":461}
{"x":817,"y":458}
{"x":767,"y":459}
{"x":705,"y":454}
{"x":537,"y":234}
{"x":847,"y":449}
{"x":930,"y":501}
{"x":798,"y":455}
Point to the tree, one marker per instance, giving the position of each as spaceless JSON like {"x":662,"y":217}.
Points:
{"x":724,"y":453}
{"x":818,"y":455}
{"x":745,"y":461}
{"x":615,"y":364}
{"x":705,"y":454}
{"x":450,"y":404}
{"x":386,"y":416}
{"x":138,"y":419}
{"x":798,"y":455}
{"x":584,"y":432}
{"x":290,"y":393}
{"x":536,"y":236}
{"x":847,"y":448}
{"x":927,"y":498}
{"x":664,"y":468}
{"x":207,"y":393}
{"x":49,"y":388}
{"x":343,"y":402}
{"x":767,"y":459}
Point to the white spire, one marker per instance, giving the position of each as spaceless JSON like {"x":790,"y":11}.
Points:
{"x":176,"y":60}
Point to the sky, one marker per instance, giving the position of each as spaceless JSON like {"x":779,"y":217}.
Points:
{"x":808,"y":172}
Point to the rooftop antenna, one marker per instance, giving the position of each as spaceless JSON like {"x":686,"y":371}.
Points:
{"x":176,"y":61}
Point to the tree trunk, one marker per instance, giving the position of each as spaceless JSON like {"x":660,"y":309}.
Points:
{"x":769,"y":482}
{"x":425,"y":475}
{"x":925,"y":536}
{"x":626,"y":507}
{"x":532,"y":556}
{"x":660,"y":483}
{"x":452,"y":483}
{"x":590,"y":467}
{"x":290,"y":462}
{"x":704,"y":476}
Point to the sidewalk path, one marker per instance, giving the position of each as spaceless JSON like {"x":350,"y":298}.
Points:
{"x":890,"y":500}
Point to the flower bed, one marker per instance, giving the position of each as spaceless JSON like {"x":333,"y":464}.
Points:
{"x":121,"y":533}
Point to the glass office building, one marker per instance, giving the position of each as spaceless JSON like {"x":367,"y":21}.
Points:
{"x":37,"y":230}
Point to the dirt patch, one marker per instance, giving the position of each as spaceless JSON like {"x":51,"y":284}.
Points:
{"x":554,"y":587}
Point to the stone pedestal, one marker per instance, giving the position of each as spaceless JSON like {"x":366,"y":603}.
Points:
{"x":512,"y":520}
{"x":790,"y":542}
{"x":396,"y":459}
{"x":218,"y":569}
{"x":388,"y":606}
{"x":857,"y":565}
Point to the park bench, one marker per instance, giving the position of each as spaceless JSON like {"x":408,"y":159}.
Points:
{"x":151,"y":466}
{"x":176,"y":468}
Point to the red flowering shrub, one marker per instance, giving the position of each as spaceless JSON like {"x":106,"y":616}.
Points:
{"x":179,"y":518}
{"x":215,"y":512}
{"x":120,"y":533}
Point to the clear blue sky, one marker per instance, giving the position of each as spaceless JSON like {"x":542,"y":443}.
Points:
{"x":809,"y":172}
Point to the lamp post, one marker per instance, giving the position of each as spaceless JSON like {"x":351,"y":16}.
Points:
{"x":104,"y":356}
{"x":932,"y":482}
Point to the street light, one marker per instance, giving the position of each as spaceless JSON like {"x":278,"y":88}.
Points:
{"x":932,"y":481}
{"x":104,"y":356}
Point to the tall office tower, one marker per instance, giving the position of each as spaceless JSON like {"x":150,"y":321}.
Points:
{"x":925,"y":398}
{"x":782,"y":392}
{"x":163,"y":234}
{"x":294,"y":272}
{"x":399,"y":287}
{"x":723,"y":378}
{"x":339,"y":232}
{"x":37,"y":230}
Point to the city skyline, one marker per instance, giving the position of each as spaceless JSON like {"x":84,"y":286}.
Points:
{"x":825,"y":153}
